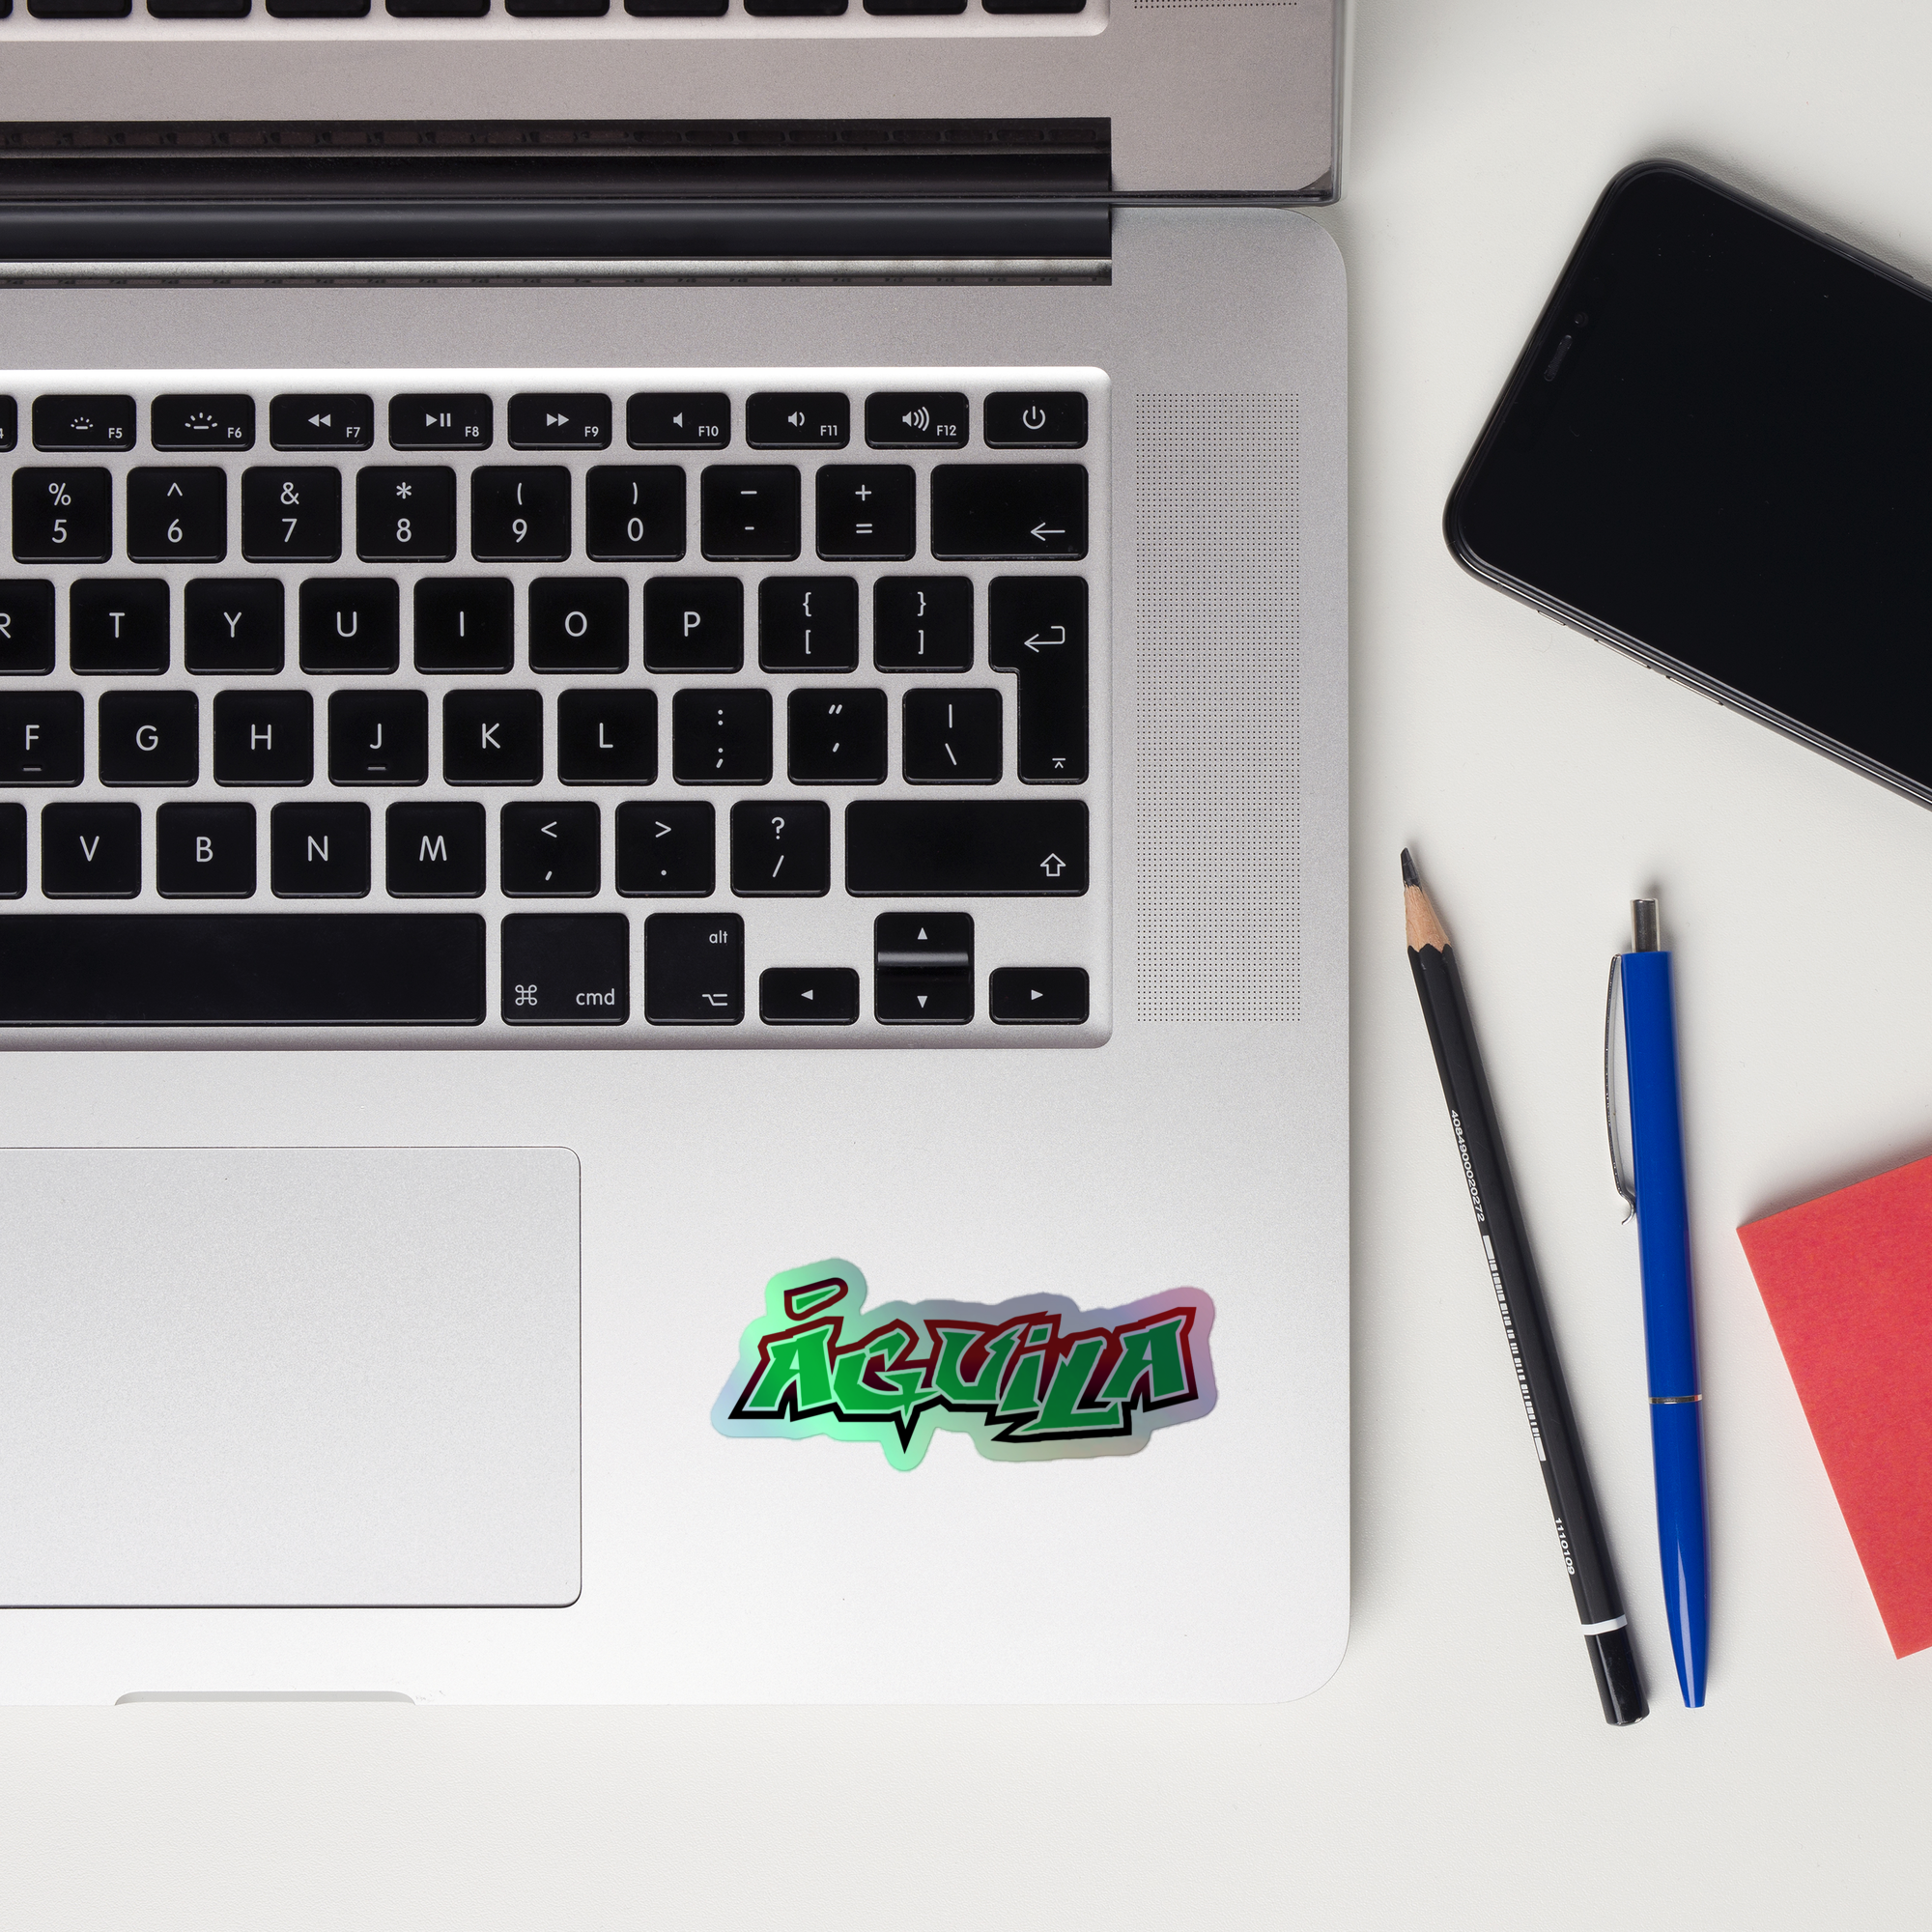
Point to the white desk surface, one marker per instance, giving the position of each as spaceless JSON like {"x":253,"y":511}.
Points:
{"x":1455,"y":1772}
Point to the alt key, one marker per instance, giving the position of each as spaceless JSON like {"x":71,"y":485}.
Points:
{"x":1037,"y":996}
{"x":809,"y":996}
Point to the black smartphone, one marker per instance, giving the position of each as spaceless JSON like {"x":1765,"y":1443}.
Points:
{"x":1716,"y":453}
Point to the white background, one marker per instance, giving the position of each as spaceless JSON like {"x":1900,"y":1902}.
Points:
{"x":1455,"y":1772}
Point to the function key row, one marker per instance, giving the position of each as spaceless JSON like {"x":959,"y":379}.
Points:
{"x":773,"y":419}
{"x":863,"y":512}
{"x":123,"y":626}
{"x":779,"y":848}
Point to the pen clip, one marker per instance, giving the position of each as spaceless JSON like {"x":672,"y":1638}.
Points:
{"x":1625,"y":1191}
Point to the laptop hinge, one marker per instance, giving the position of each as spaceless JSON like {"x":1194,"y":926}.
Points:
{"x":603,"y":201}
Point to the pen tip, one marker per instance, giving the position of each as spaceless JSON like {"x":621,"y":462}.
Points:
{"x":1408,"y":877}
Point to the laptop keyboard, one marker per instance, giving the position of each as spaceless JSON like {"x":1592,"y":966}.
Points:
{"x":620,"y":707}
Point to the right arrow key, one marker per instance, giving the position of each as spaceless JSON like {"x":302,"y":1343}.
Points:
{"x":1037,"y":996}
{"x":1009,"y":510}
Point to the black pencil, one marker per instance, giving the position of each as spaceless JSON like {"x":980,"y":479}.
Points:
{"x":1538,"y":1375}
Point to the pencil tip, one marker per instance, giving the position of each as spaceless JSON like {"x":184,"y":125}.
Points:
{"x":1408,"y":877}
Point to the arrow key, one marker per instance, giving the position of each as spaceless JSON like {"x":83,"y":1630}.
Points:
{"x":1037,"y":996}
{"x":809,"y":996}
{"x":551,"y":851}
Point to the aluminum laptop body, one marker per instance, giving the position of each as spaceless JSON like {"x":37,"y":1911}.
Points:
{"x":716,"y":1065}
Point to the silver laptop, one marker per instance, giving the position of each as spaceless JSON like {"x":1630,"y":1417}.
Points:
{"x":673,"y":883}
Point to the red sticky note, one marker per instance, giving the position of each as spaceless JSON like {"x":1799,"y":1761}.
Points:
{"x":1847,"y":1281}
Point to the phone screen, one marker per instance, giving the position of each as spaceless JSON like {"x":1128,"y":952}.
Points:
{"x":1716,"y":452}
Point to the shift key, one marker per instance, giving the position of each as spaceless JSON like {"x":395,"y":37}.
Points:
{"x":966,"y":848}
{"x":1009,"y":510}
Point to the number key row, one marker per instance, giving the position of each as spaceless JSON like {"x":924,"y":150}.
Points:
{"x":408,"y":512}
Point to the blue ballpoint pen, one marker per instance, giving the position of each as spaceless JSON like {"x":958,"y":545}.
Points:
{"x":1669,"y":1329}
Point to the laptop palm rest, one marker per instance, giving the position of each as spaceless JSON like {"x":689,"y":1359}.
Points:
{"x":297,"y":1375}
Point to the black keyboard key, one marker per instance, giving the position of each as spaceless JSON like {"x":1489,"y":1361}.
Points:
{"x":1009,"y":510}
{"x":694,"y":623}
{"x":809,"y":623}
{"x":561,"y":422}
{"x":551,"y":851}
{"x":979,"y":847}
{"x":666,"y":851}
{"x":580,"y":623}
{"x":923,"y":968}
{"x":80,"y":10}
{"x":205,"y":851}
{"x":233,"y":624}
{"x":634,"y":511}
{"x":685,"y":419}
{"x":809,"y":996}
{"x":319,"y":851}
{"x":62,"y":516}
{"x":90,"y":851}
{"x":12,"y":851}
{"x":1036,"y":6}
{"x":836,"y":737}
{"x":242,"y":969}
{"x":1037,"y":627}
{"x":434,"y":851}
{"x":721,"y":737}
{"x":915,"y":6}
{"x":924,"y":419}
{"x":749,"y":511}
{"x":694,"y":969}
{"x":439,"y":422}
{"x":566,"y":969}
{"x":9,"y":422}
{"x":780,"y":10}
{"x":1036,"y":418}
{"x":201,"y":422}
{"x":150,"y":737}
{"x":41,"y":738}
{"x":26,"y":627}
{"x":263,"y":737}
{"x":118,"y":624}
{"x":491,"y":737}
{"x":923,"y":623}
{"x":520,"y":513}
{"x":349,"y":624}
{"x":866,"y":511}
{"x":782,"y":848}
{"x":405,"y":514}
{"x":1037,"y":996}
{"x":675,"y":9}
{"x":952,"y":737}
{"x":84,"y":422}
{"x":815,"y":419}
{"x":176,"y":516}
{"x":291,"y":516}
{"x":321,"y":422}
{"x":378,"y":737}
{"x":464,"y":623}
{"x":318,"y":10}
{"x":606,"y":737}
{"x":438,"y":10}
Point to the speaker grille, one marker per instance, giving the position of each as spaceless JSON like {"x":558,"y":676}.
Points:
{"x":1217,"y":701}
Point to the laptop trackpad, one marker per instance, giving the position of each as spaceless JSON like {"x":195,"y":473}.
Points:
{"x":289,"y":1376}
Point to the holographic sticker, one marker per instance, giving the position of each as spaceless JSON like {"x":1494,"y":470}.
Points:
{"x":1027,"y":1380}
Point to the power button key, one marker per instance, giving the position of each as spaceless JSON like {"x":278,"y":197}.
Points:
{"x":1036,"y":419}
